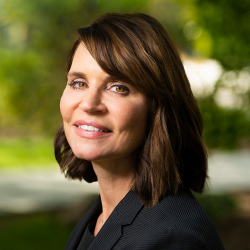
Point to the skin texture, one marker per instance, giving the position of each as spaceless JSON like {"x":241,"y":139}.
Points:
{"x":94,"y":96}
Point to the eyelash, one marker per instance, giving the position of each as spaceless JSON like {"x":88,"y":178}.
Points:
{"x":126,"y":89}
{"x":125,"y":92}
{"x":73,"y":83}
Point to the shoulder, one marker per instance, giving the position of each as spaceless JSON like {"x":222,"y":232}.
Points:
{"x":177,"y":219}
{"x":171,"y":240}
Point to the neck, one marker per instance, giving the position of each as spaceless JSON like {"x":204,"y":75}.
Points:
{"x":115,"y":180}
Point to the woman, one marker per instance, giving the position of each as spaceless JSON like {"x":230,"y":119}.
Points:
{"x":130,"y":122}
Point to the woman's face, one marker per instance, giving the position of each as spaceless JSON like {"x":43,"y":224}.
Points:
{"x":104,"y":119}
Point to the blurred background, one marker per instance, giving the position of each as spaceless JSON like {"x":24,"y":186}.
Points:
{"x":36,"y":204}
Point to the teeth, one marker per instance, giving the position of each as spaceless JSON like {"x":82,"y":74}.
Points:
{"x":90,"y":128}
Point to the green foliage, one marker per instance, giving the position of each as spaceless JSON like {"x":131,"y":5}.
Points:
{"x":174,"y":14}
{"x":218,"y":207}
{"x":228,"y":25}
{"x":122,"y":6}
{"x":223,"y":128}
{"x":20,"y":152}
{"x":35,"y":231}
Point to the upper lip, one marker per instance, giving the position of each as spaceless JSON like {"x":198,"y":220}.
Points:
{"x":91,"y":123}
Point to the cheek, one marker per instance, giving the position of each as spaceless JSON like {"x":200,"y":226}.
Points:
{"x":66,"y":112}
{"x":67,"y":106}
{"x":64,"y":107}
{"x":134,"y":121}
{"x":133,"y":117}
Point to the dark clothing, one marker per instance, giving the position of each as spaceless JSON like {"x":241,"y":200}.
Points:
{"x":176,"y":223}
{"x":88,"y":236}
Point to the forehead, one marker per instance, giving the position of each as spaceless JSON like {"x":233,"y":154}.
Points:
{"x":84,"y":65}
{"x":82,"y":58}
{"x":121,"y":64}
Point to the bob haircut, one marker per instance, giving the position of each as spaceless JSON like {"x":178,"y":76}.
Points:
{"x":136,"y":49}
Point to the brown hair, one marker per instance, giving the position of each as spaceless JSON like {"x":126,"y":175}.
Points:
{"x":135,"y":48}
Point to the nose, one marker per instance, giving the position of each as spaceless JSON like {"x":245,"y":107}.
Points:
{"x":92,"y":102}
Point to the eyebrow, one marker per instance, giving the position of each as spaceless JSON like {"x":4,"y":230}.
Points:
{"x":78,"y":74}
{"x":81,"y":74}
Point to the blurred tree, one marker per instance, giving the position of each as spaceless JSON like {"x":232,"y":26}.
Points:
{"x":223,"y":128}
{"x":227,"y":23}
{"x":174,"y":15}
{"x":208,"y":28}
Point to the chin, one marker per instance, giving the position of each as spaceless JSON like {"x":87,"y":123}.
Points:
{"x":85,"y":153}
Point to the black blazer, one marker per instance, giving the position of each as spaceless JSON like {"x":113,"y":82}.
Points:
{"x":176,"y":223}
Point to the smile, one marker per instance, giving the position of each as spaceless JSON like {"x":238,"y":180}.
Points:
{"x":92,"y":128}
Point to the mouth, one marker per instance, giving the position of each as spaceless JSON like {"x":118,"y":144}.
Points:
{"x":92,"y":128}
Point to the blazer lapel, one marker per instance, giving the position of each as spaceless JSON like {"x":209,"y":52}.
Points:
{"x":78,"y":231}
{"x":124,"y":214}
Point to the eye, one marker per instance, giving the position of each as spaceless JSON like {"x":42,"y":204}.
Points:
{"x":78,"y":84}
{"x":119,"y":89}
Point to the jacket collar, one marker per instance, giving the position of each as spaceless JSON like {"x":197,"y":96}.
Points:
{"x":78,"y":231}
{"x":124,"y":214}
